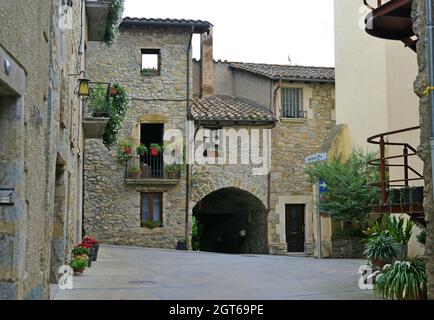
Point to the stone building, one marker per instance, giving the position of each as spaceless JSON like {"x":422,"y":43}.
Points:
{"x":301,"y":102}
{"x":42,"y":53}
{"x":152,"y":60}
{"x":282,"y":112}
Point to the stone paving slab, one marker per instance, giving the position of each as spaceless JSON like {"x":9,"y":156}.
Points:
{"x":133,"y":273}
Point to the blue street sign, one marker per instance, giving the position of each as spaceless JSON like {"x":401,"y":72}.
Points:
{"x":322,"y":186}
{"x":316,"y":158}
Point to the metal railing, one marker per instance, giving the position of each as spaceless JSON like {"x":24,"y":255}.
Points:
{"x":379,"y":3}
{"x":382,"y":162}
{"x":151,"y":167}
{"x":97,"y":104}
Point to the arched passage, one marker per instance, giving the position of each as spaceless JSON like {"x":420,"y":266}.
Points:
{"x":233,"y":221}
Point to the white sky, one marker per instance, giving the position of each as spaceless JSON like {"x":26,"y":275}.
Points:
{"x":265,"y":31}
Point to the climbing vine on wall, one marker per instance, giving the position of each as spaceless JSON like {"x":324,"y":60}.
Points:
{"x":118,"y":109}
{"x":114,"y":20}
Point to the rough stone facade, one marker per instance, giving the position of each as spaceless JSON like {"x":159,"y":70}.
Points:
{"x":347,"y":248}
{"x":419,"y":27}
{"x":112,"y":207}
{"x":41,"y":145}
{"x":292,"y":141}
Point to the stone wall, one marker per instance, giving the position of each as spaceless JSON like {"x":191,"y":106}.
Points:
{"x":292,"y":141}
{"x":112,"y":207}
{"x":419,"y":27}
{"x":347,"y":248}
{"x":40,"y":129}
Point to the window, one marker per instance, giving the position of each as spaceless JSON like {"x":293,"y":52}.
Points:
{"x":150,"y":62}
{"x":292,"y":103}
{"x":151,"y":209}
{"x":211,"y":143}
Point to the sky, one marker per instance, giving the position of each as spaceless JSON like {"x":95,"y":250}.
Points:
{"x":261,"y":31}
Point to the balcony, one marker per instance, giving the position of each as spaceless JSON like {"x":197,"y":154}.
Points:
{"x":97,"y":12}
{"x":397,"y":196}
{"x":151,"y":170}
{"x":391,"y":20}
{"x":96,"y":110}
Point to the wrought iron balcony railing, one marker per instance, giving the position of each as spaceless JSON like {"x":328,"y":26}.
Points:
{"x":97,"y":104}
{"x":397,"y":196}
{"x":151,"y":167}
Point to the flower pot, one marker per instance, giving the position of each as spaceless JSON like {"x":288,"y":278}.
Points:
{"x":379,"y":263}
{"x":172,"y":175}
{"x":154,"y":152}
{"x":146,"y":171}
{"x":78,"y":272}
{"x":113,"y":91}
{"x":134,"y":175}
{"x":95,"y":252}
{"x":89,"y":258}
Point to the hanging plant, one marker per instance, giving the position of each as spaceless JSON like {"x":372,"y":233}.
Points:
{"x":118,"y":109}
{"x":113,"y":21}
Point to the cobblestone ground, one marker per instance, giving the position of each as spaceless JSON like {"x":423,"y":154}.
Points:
{"x":138,"y":273}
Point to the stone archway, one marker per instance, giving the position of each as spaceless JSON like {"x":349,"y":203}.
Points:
{"x":233,"y":221}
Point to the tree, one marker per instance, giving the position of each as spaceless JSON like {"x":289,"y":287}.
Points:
{"x":349,"y":195}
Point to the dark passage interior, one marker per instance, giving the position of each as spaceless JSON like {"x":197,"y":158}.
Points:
{"x":233,"y":220}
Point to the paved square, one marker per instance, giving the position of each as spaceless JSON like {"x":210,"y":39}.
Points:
{"x":136,"y":273}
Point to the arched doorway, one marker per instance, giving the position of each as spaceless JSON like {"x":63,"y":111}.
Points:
{"x":232,"y":221}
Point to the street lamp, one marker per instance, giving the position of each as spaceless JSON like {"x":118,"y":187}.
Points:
{"x":83,"y":88}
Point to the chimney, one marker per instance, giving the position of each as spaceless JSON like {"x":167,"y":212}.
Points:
{"x":207,"y":64}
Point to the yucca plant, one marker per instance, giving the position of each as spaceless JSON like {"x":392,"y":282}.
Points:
{"x":404,"y":280}
{"x":397,"y":227}
{"x":381,"y":249}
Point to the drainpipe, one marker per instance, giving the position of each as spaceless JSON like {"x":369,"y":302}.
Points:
{"x":187,"y":167}
{"x":430,"y":35}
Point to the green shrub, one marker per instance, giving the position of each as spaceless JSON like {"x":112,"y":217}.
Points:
{"x":118,"y":110}
{"x":77,"y":251}
{"x":349,"y":195}
{"x":404,"y":280}
{"x":97,"y":101}
{"x":398,"y":228}
{"x":196,"y":234}
{"x":113,"y":21}
{"x":382,"y":247}
{"x":78,"y":264}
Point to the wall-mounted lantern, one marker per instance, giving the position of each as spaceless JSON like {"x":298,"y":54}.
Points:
{"x":83,"y":88}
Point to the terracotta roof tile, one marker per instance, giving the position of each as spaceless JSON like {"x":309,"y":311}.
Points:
{"x":287,"y":72}
{"x":225,"y":108}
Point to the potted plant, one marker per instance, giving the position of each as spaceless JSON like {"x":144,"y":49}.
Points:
{"x":151,"y":224}
{"x":82,"y":251}
{"x":399,"y":228}
{"x":134,"y":172}
{"x":125,"y":150}
{"x":89,"y":241}
{"x":141,"y":150}
{"x":171,"y":171}
{"x":78,"y":264}
{"x":154,"y":149}
{"x":381,"y":249}
{"x":404,"y":280}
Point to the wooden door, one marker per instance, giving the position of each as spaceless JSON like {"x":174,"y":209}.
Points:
{"x":295,"y":227}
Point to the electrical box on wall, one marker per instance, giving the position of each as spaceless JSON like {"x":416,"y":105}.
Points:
{"x":7,"y":196}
